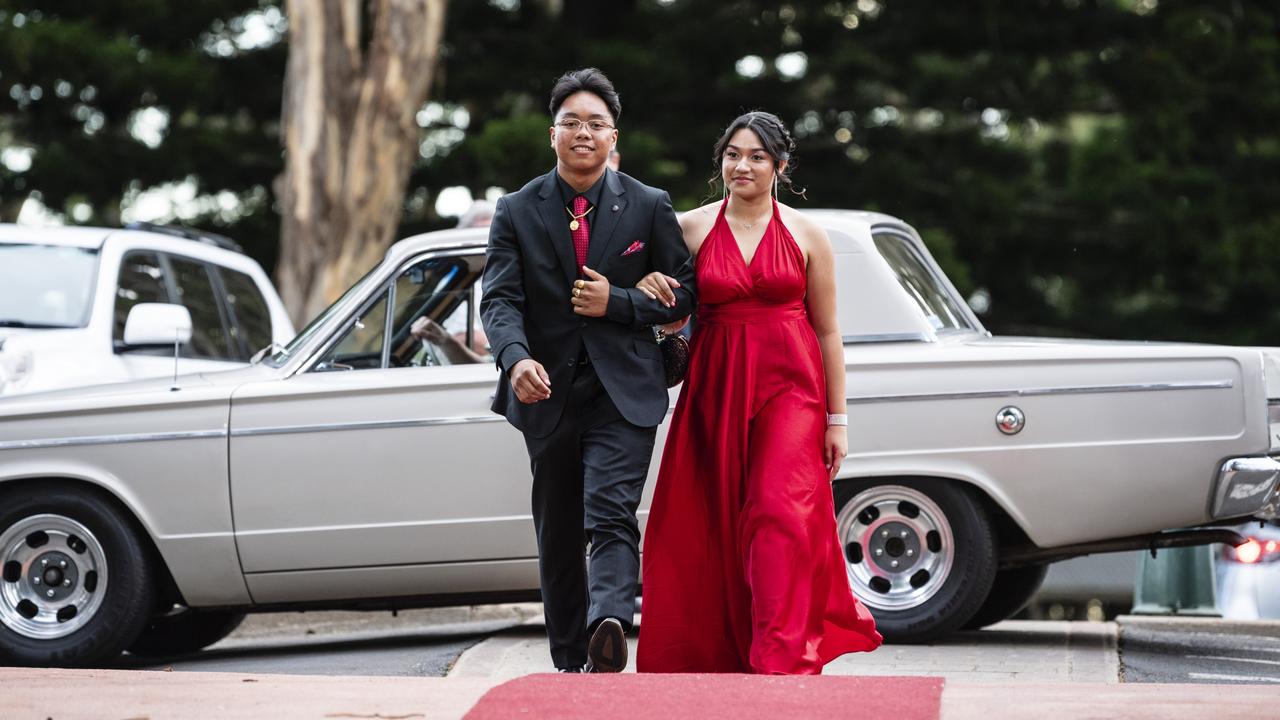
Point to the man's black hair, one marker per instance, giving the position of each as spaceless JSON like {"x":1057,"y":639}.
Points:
{"x":586,"y":80}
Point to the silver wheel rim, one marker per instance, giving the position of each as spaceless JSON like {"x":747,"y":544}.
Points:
{"x":54,"y":576}
{"x":898,"y":546}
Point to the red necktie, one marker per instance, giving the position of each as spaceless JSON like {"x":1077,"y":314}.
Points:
{"x":581,"y":236}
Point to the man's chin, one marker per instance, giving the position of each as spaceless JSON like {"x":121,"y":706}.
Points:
{"x":583,"y":164}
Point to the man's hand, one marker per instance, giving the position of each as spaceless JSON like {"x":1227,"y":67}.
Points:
{"x":659,"y":287}
{"x":590,"y":297}
{"x":530,"y":381}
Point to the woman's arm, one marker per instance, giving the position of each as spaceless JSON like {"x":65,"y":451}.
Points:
{"x":821,"y":300}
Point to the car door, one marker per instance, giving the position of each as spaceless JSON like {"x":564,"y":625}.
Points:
{"x":379,"y":469}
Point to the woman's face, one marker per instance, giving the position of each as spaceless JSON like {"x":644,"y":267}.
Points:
{"x":747,"y":170}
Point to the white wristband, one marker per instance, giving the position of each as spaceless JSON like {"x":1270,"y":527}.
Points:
{"x":840,"y":419}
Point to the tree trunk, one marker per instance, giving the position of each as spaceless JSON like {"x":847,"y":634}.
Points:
{"x":350,"y":138}
{"x":11,"y":207}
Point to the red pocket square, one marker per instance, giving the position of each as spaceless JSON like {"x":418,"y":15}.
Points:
{"x":636,"y":246}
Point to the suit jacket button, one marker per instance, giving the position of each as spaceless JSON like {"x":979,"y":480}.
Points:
{"x":571,"y":363}
{"x":582,"y":323}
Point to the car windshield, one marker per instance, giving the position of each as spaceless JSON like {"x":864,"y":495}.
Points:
{"x":46,"y":286}
{"x":279,"y":355}
{"x":920,"y":283}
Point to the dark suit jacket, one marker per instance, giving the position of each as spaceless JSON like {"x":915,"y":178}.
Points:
{"x":528,"y":280}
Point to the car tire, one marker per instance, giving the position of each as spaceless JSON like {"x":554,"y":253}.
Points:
{"x":920,"y":554}
{"x":96,"y":591}
{"x":1011,"y":591}
{"x":183,"y":631}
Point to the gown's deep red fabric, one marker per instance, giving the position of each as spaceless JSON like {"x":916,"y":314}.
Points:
{"x":742,"y":566}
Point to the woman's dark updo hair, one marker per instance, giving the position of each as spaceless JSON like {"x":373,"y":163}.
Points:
{"x":777,"y":141}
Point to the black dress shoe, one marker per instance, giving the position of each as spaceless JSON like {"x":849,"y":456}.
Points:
{"x":607,"y":651}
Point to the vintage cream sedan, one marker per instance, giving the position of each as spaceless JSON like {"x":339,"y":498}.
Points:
{"x":360,"y":467}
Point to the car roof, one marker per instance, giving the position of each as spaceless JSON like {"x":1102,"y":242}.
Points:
{"x":64,"y":235}
{"x":463,"y":237}
{"x":96,"y":237}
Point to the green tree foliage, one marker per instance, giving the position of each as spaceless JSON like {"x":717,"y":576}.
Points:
{"x":1102,"y":168}
{"x":1096,"y":167}
{"x":78,"y":77}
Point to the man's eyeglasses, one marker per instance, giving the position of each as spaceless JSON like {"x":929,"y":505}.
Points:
{"x":573,"y":124}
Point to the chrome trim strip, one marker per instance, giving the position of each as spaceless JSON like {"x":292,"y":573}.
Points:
{"x":366,"y":425}
{"x":1033,"y":392}
{"x":885,"y":337}
{"x":109,"y":439}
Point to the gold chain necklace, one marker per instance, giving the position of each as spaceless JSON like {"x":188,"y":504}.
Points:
{"x":573,"y":223}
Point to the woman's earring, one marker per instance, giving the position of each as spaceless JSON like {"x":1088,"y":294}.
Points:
{"x":775,"y":185}
{"x":725,"y":185}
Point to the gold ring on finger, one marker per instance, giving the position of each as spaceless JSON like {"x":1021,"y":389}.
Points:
{"x":577,"y":292}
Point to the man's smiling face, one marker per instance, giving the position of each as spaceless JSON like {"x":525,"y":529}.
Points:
{"x":582,"y":150}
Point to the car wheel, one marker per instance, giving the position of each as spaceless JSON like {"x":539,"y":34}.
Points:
{"x":77,"y":581}
{"x":1011,"y":591}
{"x":920,"y":554}
{"x":184,"y":630}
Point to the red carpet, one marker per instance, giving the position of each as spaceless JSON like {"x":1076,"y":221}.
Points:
{"x":711,"y":697}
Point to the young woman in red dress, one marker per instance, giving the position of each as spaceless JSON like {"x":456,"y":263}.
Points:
{"x":742,"y":568}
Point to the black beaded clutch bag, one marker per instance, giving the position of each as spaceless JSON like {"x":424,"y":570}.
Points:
{"x":675,"y":356}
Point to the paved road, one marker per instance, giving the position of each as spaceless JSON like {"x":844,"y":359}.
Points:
{"x":1187,"y":650}
{"x":410,"y":643}
{"x":506,"y":641}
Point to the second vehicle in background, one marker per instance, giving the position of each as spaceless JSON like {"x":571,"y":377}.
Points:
{"x":82,"y":306}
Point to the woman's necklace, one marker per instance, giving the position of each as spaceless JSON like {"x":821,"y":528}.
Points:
{"x":573,"y":223}
{"x":751,"y":225}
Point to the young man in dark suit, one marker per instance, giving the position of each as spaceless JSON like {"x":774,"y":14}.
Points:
{"x":583,"y":377}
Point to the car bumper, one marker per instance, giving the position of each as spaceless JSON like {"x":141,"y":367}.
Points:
{"x":1247,"y":486}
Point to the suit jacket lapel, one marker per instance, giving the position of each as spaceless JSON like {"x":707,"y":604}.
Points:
{"x":556,"y":223}
{"x":611,"y":196}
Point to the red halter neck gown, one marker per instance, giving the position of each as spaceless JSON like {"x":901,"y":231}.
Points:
{"x":742,"y":568}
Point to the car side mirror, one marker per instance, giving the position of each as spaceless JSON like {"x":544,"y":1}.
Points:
{"x":157,"y":324}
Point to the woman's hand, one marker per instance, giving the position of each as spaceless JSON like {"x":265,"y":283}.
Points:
{"x":836,"y":446}
{"x":672,"y":328}
{"x":659,"y":287}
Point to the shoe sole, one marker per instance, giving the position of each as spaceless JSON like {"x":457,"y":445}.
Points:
{"x":608,"y":648}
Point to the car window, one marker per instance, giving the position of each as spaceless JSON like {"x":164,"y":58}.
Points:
{"x":46,"y":286}
{"x":920,"y":283}
{"x":142,"y":280}
{"x":436,"y":319}
{"x":209,"y":337}
{"x":250,"y":316}
{"x":360,"y":347}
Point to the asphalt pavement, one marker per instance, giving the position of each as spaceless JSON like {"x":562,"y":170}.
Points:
{"x":413,"y":643}
{"x":1170,"y":649}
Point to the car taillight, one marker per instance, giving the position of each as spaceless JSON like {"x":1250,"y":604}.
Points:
{"x":1254,"y":550}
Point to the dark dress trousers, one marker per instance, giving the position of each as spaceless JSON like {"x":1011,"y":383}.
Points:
{"x":591,"y":442}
